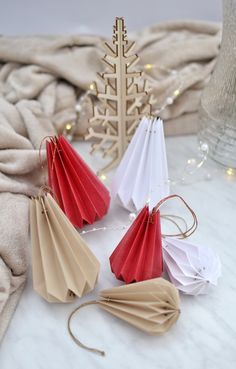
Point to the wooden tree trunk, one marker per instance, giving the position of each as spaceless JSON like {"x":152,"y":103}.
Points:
{"x":218,"y":102}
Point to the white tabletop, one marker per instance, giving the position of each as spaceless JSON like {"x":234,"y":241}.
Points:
{"x":204,"y":337}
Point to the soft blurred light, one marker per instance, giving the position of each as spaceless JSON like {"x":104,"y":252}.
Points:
{"x":230,"y":172}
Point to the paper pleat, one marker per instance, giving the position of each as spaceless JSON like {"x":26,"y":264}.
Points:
{"x":142,"y":174}
{"x":63,"y":265}
{"x":191,"y":268}
{"x":79,"y":192}
{"x":138,"y":256}
{"x":152,"y":306}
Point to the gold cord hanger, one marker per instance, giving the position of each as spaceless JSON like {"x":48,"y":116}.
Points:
{"x":75,"y":339}
{"x":183,"y":234}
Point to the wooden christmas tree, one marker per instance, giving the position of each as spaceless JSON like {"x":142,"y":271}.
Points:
{"x":122,"y":100}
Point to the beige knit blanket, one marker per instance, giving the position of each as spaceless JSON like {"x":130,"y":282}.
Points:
{"x":40,"y":81}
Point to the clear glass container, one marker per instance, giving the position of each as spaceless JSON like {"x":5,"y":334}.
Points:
{"x":217,"y":114}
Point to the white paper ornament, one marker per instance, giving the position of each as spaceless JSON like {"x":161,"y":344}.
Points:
{"x":192,"y":269}
{"x":142,"y":175}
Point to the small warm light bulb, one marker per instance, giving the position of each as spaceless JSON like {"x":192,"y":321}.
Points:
{"x":176,"y":92}
{"x":230,"y":172}
{"x":91,"y":86}
{"x":103,"y":177}
{"x":68,"y":126}
{"x":148,"y":66}
{"x":191,"y":161}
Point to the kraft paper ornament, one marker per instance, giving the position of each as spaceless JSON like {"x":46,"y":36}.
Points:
{"x":142,"y":175}
{"x":123,"y":98}
{"x":63,"y":265}
{"x":192,"y":269}
{"x":151,"y":306}
{"x":138,"y":256}
{"x":79,"y":192}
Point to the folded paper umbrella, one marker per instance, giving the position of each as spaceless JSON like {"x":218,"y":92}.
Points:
{"x":142,"y":174}
{"x":151,"y":306}
{"x":63,"y":265}
{"x":138,"y":256}
{"x":192,"y":269}
{"x":79,"y":192}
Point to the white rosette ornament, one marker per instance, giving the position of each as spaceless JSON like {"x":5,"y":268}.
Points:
{"x":142,"y":175}
{"x":192,"y":269}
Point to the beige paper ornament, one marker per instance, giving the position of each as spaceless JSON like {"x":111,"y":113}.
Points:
{"x":151,"y":306}
{"x":63,"y":265}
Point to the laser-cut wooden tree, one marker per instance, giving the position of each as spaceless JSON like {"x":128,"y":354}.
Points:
{"x":123,"y":99}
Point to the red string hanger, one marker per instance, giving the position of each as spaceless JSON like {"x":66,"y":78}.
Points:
{"x":79,"y":192}
{"x":138,"y":256}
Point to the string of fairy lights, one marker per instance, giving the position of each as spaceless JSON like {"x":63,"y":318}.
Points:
{"x":70,"y":128}
{"x":174,"y":93}
{"x":192,"y":165}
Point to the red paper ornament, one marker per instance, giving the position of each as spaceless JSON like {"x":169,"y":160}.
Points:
{"x":138,"y":256}
{"x":79,"y":192}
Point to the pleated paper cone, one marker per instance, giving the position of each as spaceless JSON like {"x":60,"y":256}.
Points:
{"x":142,"y":174}
{"x":79,"y":192}
{"x":151,"y":306}
{"x":138,"y":256}
{"x":63,"y":265}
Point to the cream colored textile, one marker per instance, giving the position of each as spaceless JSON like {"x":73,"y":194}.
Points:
{"x":22,"y":127}
{"x":54,"y":70}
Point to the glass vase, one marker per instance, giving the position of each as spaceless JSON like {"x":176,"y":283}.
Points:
{"x":217,"y":114}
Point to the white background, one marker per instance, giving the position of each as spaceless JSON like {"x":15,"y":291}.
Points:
{"x":204,"y":337}
{"x":96,"y":16}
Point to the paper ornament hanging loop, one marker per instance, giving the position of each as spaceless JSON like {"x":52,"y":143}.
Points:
{"x":139,"y":256}
{"x":44,"y":189}
{"x":182,"y":234}
{"x":41,"y":163}
{"x":151,"y":306}
{"x":75,"y":339}
{"x":79,"y":192}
